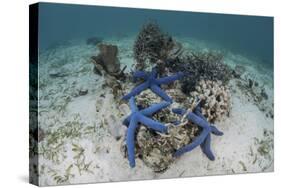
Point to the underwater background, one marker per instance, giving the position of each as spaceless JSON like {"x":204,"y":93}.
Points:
{"x":251,"y":36}
{"x":89,"y":57}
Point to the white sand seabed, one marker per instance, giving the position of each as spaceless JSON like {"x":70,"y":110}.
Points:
{"x":101,"y":159}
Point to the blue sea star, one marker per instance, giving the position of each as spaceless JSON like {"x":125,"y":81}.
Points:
{"x":153,"y":83}
{"x":140,"y":116}
{"x":204,"y":139}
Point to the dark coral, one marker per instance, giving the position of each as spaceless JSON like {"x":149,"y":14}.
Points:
{"x":152,"y":45}
{"x":200,"y":65}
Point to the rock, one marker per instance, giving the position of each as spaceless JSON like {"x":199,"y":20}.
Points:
{"x":98,"y":70}
{"x":124,"y":108}
{"x":83,"y":91}
{"x":107,"y":58}
{"x":57,"y":73}
{"x":271,"y":114}
{"x":238,"y":71}
{"x":264,"y":94}
{"x":251,"y":83}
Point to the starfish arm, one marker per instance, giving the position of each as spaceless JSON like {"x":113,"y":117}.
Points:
{"x":206,"y":148}
{"x":179,"y":111}
{"x":139,"y":74}
{"x":196,"y":142}
{"x":127,"y":120}
{"x":176,"y":122}
{"x":130,"y":141}
{"x":153,"y":124}
{"x":198,"y":107}
{"x":133,"y":105}
{"x":136,"y":90}
{"x":197,"y":120}
{"x":158,"y":91}
{"x":154,"y":108}
{"x":215,"y":131}
{"x":170,"y":79}
{"x":153,"y":73}
{"x":198,"y":112}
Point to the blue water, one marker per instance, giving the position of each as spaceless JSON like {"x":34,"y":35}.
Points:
{"x":251,"y":36}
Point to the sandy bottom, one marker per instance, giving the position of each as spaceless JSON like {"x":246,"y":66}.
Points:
{"x":78,"y":145}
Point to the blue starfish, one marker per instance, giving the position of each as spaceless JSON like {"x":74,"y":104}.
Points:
{"x":204,"y":139}
{"x":140,"y":116}
{"x":153,"y":83}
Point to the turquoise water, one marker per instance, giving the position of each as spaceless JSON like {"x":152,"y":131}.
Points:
{"x":251,"y":36}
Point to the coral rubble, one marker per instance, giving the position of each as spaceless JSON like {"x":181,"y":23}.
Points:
{"x":238,"y":71}
{"x":141,"y":116}
{"x":156,"y":150}
{"x":256,"y":93}
{"x":204,"y":138}
{"x":153,"y":83}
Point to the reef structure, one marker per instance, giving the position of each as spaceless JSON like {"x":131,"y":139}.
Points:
{"x":151,"y":45}
{"x":152,"y":82}
{"x":141,"y":116}
{"x":204,"y":139}
{"x":200,"y":65}
{"x":185,"y":130}
{"x":215,"y":99}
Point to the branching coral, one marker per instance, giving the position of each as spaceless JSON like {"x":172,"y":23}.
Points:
{"x":208,"y":65}
{"x":200,"y":65}
{"x":215,"y":99}
{"x":151,"y":45}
